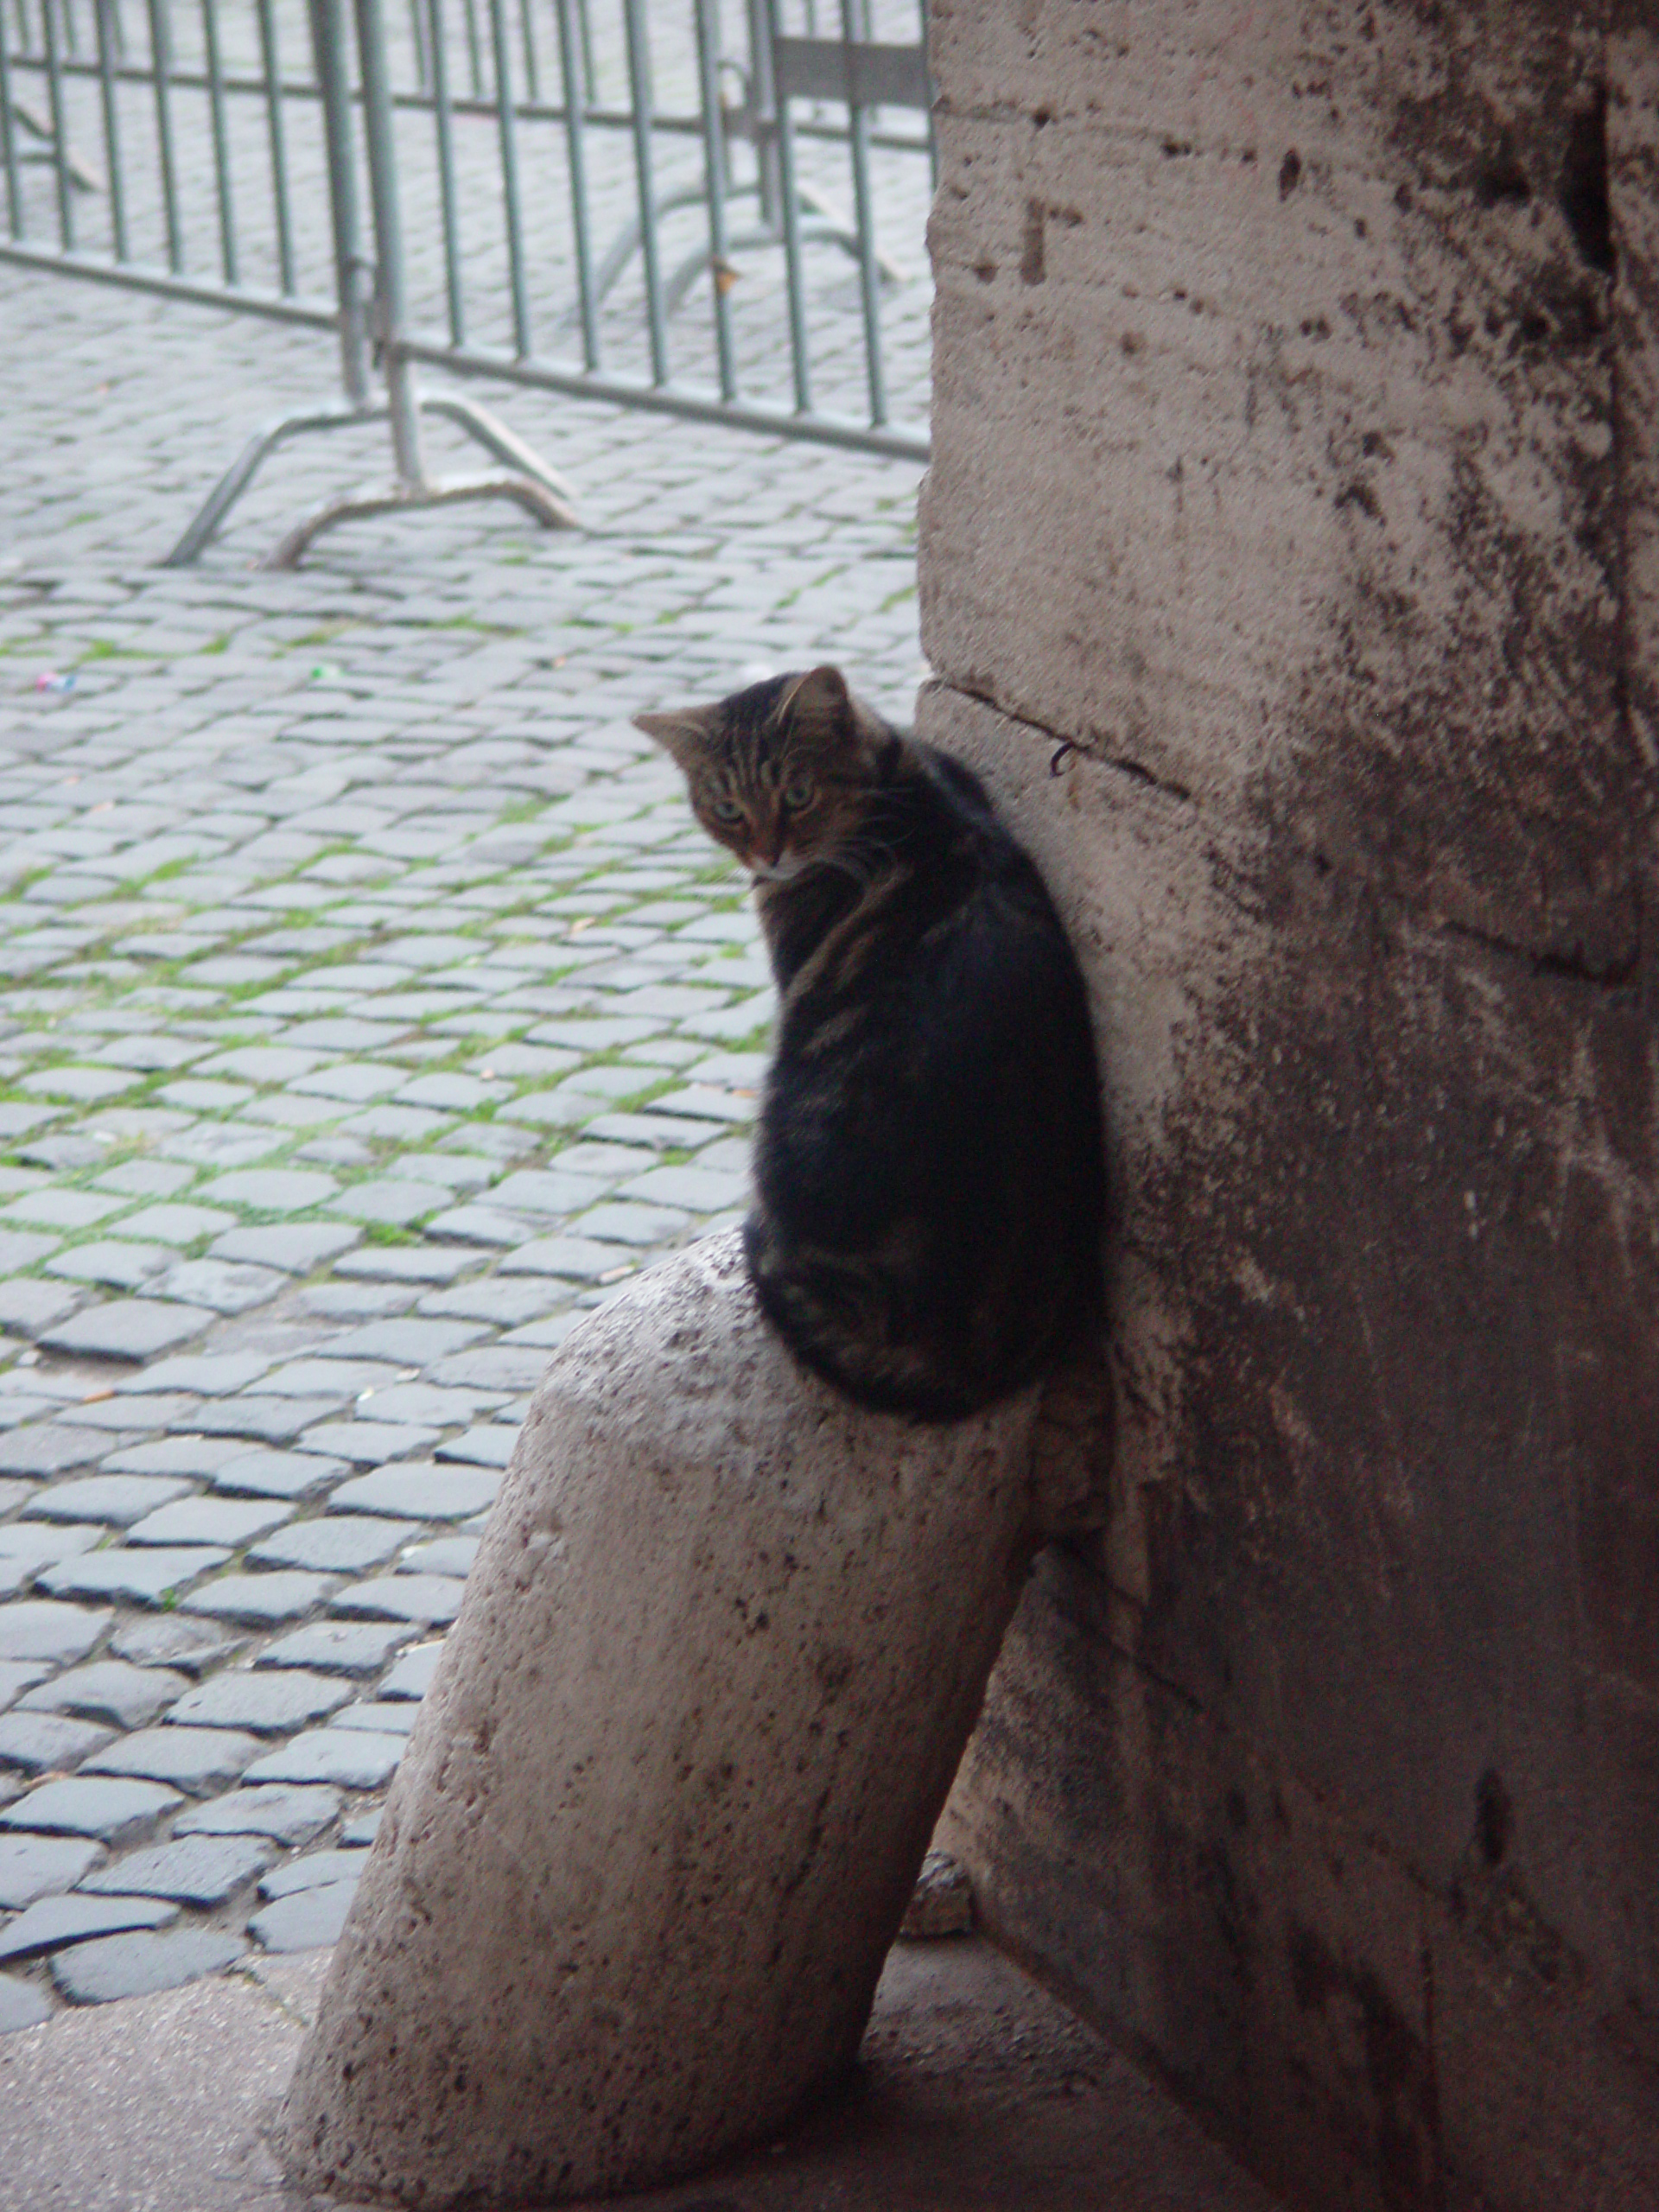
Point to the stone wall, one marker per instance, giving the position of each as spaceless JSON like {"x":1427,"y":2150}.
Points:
{"x":1290,"y":569}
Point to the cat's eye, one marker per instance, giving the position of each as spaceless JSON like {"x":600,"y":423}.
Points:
{"x":725,"y":808}
{"x":798,"y":795}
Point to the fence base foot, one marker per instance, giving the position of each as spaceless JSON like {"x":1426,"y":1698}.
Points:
{"x":547,"y":507}
{"x":530,"y":474}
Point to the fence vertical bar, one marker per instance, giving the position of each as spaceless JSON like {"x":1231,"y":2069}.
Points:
{"x":474,"y":52}
{"x":633,"y":14}
{"x":502,"y":55}
{"x":107,"y":22}
{"x":15,"y":217}
{"x":715,"y":185}
{"x":417,"y":35}
{"x":571,"y":26}
{"x":532,"y":63}
{"x":388,"y":242}
{"x":590,"y":67}
{"x":274,"y":132}
{"x":222,"y":141}
{"x":858,"y":139}
{"x":765,"y":21}
{"x":443,"y":124}
{"x":161,"y":61}
{"x":60,"y":134}
{"x":333,"y":81}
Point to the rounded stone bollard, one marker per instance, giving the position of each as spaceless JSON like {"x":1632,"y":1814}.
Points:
{"x":666,"y":1801}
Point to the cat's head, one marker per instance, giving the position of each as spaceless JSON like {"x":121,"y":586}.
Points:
{"x":781,"y":773}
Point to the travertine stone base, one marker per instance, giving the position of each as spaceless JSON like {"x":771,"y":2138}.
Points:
{"x":669,"y":1793}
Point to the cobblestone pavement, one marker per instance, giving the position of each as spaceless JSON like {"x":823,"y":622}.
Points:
{"x":373,"y":1008}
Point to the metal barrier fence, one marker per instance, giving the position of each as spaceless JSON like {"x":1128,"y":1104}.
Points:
{"x":621,"y":199}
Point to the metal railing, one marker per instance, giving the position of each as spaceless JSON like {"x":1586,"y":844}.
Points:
{"x":622,"y":200}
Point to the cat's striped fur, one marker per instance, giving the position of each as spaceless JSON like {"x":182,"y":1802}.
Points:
{"x":928,"y":1178}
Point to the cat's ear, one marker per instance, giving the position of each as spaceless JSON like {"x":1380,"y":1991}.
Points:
{"x":685,"y":735}
{"x":818,"y":700}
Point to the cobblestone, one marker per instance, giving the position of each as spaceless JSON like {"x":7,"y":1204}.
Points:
{"x":373,"y":1022}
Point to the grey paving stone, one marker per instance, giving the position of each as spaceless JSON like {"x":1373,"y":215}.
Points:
{"x":338,"y":1544}
{"x":270,"y":1190}
{"x":296,"y":1247}
{"x":406,"y":1343}
{"x":351,"y":1081}
{"x":327,"y":1376}
{"x":207,"y":1520}
{"x":147,"y":1178}
{"x":263,"y":1599}
{"x":27,"y":1308}
{"x":27,"y":1544}
{"x":411,"y":1403}
{"x":572,"y":1258}
{"x":444,"y":1555}
{"x":484,"y":1446}
{"x":40,"y":1743}
{"x":225,"y":1286}
{"x":130,"y":1418}
{"x":136,"y":1965}
{"x":54,"y":1922}
{"x":263,"y":1418}
{"x":390,"y":1199}
{"x":620,"y":1223}
{"x":367,"y":1444}
{"x":200,"y":1095}
{"x":34,"y":1867}
{"x":178,"y":1225}
{"x":446,"y":1090}
{"x":355,"y":1648}
{"x":55,"y":1208}
{"x":279,"y":1474}
{"x":419,"y":1490}
{"x":200,"y":1870}
{"x":49,"y":1448}
{"x":315,"y":1871}
{"x":412,"y":1677}
{"x":263,"y":1063}
{"x":699,"y":1189}
{"x":381,"y":1717}
{"x":356,"y":1301}
{"x":126,"y":1328}
{"x":272,"y":1703}
{"x":488,"y":1228}
{"x":39,"y":1628}
{"x":361,"y":1828}
{"x":121,"y":1499}
{"x":350,"y":1758}
{"x":110,"y":1690}
{"x":548,"y":1191}
{"x":204,"y":1374}
{"x":172,"y":1640}
{"x":144,"y":1577}
{"x":194,"y":1759}
{"x":108,"y":1260}
{"x":494,"y":1367}
{"x":113,"y":1811}
{"x":17,"y":1676}
{"x":404,"y":1264}
{"x":287,"y":1813}
{"x":22,"y":2005}
{"x":306,"y":1921}
{"x":428,"y":1598}
{"x":174,"y":1455}
{"x":22,"y":1247}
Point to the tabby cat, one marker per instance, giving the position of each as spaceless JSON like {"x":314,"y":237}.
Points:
{"x":928,"y":1178}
